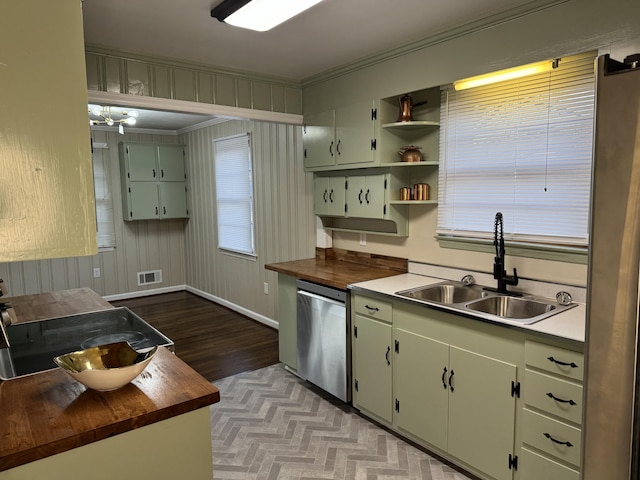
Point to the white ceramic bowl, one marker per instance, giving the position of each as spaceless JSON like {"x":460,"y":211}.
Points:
{"x":105,"y":367}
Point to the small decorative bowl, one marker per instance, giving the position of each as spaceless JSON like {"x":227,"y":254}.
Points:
{"x":106,"y":367}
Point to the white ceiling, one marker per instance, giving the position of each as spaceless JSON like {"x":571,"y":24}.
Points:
{"x":330,"y":35}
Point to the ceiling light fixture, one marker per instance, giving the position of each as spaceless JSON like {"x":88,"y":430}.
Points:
{"x":259,"y":15}
{"x":110,"y":118}
{"x":508,"y":74}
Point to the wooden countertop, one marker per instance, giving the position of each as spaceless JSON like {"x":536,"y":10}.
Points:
{"x":49,"y":412}
{"x":341,"y":268}
{"x":61,"y":303}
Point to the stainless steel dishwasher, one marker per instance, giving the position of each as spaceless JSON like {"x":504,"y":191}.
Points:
{"x":323,"y":338}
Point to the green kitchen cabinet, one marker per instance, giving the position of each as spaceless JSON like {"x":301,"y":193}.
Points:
{"x":287,"y":321}
{"x":153,"y":181}
{"x":340,"y":138}
{"x":329,"y":196}
{"x":455,"y":400}
{"x":366,"y":196}
{"x":371,"y":343}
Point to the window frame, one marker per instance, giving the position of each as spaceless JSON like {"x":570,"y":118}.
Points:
{"x":245,"y":197}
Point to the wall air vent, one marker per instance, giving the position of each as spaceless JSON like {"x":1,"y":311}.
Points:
{"x":147,"y":278}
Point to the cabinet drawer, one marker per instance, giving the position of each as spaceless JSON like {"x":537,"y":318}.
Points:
{"x":551,"y":436}
{"x":536,"y":467}
{"x":372,"y":307}
{"x":554,"y":359}
{"x":553,"y":395}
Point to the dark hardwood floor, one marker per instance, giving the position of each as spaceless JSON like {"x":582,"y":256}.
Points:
{"x":214,"y":340}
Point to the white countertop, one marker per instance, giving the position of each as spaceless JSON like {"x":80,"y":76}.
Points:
{"x":569,"y":324}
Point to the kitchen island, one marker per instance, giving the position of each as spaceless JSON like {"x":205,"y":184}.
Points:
{"x":155,"y":427}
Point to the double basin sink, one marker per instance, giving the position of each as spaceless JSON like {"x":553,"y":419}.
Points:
{"x":476,"y":301}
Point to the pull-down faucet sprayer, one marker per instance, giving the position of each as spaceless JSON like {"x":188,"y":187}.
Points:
{"x":499,"y":273}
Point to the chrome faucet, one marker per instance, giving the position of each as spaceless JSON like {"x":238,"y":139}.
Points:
{"x":499,"y":273}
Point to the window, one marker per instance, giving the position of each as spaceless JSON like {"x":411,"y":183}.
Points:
{"x":234,"y":194}
{"x":524,"y":148}
{"x":104,"y":203}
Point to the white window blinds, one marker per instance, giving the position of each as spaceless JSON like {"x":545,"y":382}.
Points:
{"x":234,"y":194}
{"x":104,"y":202}
{"x":521,"y":147}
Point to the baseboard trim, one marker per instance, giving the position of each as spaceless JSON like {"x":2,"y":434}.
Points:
{"x":180,"y":288}
{"x":145,"y":293}
{"x":225,"y":303}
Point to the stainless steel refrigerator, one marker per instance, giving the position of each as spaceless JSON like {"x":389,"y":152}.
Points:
{"x":611,"y":427}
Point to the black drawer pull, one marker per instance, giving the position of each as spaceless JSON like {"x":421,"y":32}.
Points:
{"x":564,"y":364}
{"x":373,"y":309}
{"x":567,"y":443}
{"x":451,"y":378}
{"x":444,"y":373}
{"x":552,"y":396}
{"x":387,"y":355}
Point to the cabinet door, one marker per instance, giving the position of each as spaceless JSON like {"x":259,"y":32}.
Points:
{"x":143,"y":201}
{"x":319,"y":145}
{"x":420,"y":382}
{"x":481,"y":412}
{"x":366,"y":196}
{"x":355,"y":129}
{"x":173,"y":200}
{"x":321,"y":195}
{"x":171,"y":163}
{"x":373,"y":367}
{"x":287,"y":321}
{"x":141,"y":162}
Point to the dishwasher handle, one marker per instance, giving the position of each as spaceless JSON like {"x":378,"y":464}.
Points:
{"x":321,"y":298}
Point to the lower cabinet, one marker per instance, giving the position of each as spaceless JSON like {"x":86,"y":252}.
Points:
{"x":485,"y":397}
{"x":287,"y":321}
{"x":371,"y":353}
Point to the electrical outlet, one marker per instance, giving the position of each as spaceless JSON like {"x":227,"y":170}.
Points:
{"x":96,"y":273}
{"x":266,"y":288}
{"x":363,"y":239}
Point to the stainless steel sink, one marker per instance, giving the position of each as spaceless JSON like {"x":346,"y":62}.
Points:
{"x":476,"y":301}
{"x":511,"y":307}
{"x":446,"y":292}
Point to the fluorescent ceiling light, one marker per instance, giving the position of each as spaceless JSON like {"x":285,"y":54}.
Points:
{"x":503,"y":75}
{"x":260,"y":15}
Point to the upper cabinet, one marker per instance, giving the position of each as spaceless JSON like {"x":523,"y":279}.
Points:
{"x":341,"y":138}
{"x":47,"y":203}
{"x":153,"y":181}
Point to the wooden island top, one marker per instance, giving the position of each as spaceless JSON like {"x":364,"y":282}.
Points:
{"x":49,"y":412}
{"x":339,"y":268}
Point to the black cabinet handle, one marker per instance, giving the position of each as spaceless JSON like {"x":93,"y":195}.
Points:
{"x":324,"y":195}
{"x":162,"y":173}
{"x":567,"y":443}
{"x":164,"y":210}
{"x":154,"y":173}
{"x":552,"y":396}
{"x":331,"y":148}
{"x":564,"y":364}
{"x":338,"y":147}
{"x":367,"y":196}
{"x":360,"y":197}
{"x":451,"y":378}
{"x":372,"y":309}
{"x":387,"y":355}
{"x":444,"y":373}
{"x":331,"y":196}
{"x":156,"y":211}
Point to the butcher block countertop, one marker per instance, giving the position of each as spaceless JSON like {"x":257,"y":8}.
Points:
{"x":61,"y":303}
{"x":49,"y":412}
{"x":339,"y":268}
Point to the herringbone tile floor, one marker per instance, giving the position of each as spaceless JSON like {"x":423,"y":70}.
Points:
{"x":271,"y":425}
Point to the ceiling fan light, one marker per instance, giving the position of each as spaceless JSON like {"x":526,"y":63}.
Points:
{"x":130,"y":121}
{"x":260,"y":15}
{"x":97,"y":110}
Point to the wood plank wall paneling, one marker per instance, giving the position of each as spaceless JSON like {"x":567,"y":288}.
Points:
{"x":285,"y":224}
{"x":118,"y":72}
